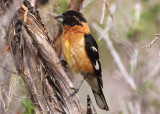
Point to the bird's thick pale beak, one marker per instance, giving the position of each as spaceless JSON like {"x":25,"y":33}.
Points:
{"x":59,"y":18}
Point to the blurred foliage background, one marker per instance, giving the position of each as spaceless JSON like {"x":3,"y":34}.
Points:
{"x":129,"y":25}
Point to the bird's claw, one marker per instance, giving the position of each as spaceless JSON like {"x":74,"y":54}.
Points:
{"x":73,"y":88}
{"x":75,"y":92}
{"x":63,"y":63}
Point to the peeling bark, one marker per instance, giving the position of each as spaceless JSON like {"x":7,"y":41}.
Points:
{"x":37,"y":63}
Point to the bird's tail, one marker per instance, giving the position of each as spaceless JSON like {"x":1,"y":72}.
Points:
{"x":100,"y":100}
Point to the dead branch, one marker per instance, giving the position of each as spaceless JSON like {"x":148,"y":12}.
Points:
{"x":156,"y":68}
{"x":7,"y":93}
{"x":103,"y":12}
{"x":37,"y":63}
{"x":9,"y":70}
{"x":109,"y":10}
{"x":152,"y":42}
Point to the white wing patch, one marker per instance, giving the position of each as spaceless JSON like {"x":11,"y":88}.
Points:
{"x":96,"y":66}
{"x":93,"y":48}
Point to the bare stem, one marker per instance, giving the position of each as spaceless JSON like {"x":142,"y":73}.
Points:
{"x":152,"y":42}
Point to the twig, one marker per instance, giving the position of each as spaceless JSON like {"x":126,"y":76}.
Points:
{"x":10,"y":93}
{"x":103,"y":12}
{"x":105,"y":32}
{"x":108,"y":27}
{"x":1,"y":87}
{"x":152,"y":42}
{"x":9,"y":70}
{"x":4,"y":105}
{"x":155,"y":70}
{"x":109,"y":11}
{"x":109,"y":23}
{"x":5,"y":92}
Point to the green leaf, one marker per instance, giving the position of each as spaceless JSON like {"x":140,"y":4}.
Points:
{"x":28,"y":106}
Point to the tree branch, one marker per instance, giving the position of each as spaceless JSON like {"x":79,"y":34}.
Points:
{"x":35,"y":59}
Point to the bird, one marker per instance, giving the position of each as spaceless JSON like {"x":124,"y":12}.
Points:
{"x":80,"y":51}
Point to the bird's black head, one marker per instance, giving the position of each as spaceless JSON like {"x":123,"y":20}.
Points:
{"x":71,"y":18}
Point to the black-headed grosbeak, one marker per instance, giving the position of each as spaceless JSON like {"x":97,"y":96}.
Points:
{"x":81,"y":52}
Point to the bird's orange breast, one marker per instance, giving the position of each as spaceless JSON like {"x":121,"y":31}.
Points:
{"x":73,"y":47}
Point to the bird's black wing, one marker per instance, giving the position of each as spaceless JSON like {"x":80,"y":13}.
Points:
{"x":92,"y":52}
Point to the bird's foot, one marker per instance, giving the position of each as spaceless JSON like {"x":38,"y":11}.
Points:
{"x":75,"y":92}
{"x":63,"y":63}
